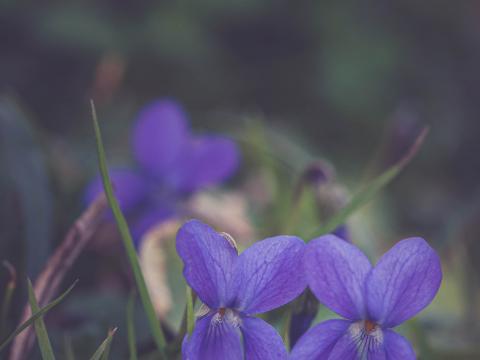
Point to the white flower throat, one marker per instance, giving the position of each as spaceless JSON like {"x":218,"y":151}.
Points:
{"x":228,"y":315}
{"x":367,"y":335}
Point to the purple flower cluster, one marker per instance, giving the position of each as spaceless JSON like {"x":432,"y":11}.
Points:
{"x":172,"y":164}
{"x":273,"y":272}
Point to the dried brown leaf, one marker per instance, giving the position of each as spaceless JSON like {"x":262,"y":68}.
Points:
{"x":226,"y":211}
{"x":153,"y":264}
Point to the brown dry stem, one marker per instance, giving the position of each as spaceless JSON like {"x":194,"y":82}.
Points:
{"x":48,"y":282}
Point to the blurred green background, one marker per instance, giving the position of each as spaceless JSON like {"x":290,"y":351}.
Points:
{"x":351,"y":82}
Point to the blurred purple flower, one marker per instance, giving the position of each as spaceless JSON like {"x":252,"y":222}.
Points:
{"x":372,"y":299}
{"x":172,"y":164}
{"x":404,"y":128}
{"x":343,"y":233}
{"x":266,"y":276}
{"x":330,"y":196}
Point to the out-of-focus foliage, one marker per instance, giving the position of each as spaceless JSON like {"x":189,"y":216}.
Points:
{"x":347,"y":81}
{"x":25,"y":179}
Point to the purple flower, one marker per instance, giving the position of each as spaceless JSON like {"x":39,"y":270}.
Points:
{"x":372,"y":299}
{"x":172,"y":164}
{"x":235,"y":287}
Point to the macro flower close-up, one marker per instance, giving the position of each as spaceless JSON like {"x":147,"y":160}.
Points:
{"x":236,"y":287}
{"x":147,"y":148}
{"x":373,"y":300}
{"x":172,"y":164}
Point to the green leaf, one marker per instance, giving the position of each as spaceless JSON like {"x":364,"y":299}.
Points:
{"x":131,"y":326}
{"x":190,"y":314}
{"x":40,"y":328}
{"x":104,"y":348}
{"x":372,"y":189}
{"x":35,"y":316}
{"x":155,"y":327}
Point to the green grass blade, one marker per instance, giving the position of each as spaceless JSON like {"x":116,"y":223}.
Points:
{"x":106,"y":351}
{"x":369,"y":192}
{"x":155,"y":327}
{"x":286,"y":327}
{"x":40,"y":328}
{"x":104,"y":348}
{"x":131,"y":327}
{"x":190,"y":314}
{"x":68,"y":348}
{"x":7,"y":298}
{"x":35,"y":316}
{"x":187,"y":324}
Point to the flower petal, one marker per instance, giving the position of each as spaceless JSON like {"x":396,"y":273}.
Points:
{"x":261,"y":340}
{"x":318,"y":342}
{"x":208,"y":260}
{"x":397,"y":347}
{"x":336,"y":272}
{"x":404,"y":281}
{"x":269,"y":274}
{"x":129,"y":187}
{"x":213,"y":339}
{"x":204,"y":161}
{"x":158,"y":136}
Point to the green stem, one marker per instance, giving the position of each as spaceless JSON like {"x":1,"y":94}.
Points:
{"x":131,"y":326}
{"x":155,"y":327}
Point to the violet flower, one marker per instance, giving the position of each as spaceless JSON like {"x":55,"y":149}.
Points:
{"x":372,"y":299}
{"x":172,"y":164}
{"x":235,"y":287}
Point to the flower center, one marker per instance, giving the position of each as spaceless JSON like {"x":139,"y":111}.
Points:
{"x":369,"y":326}
{"x":228,"y":315}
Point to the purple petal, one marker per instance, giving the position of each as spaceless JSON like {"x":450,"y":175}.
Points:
{"x":336,"y":272}
{"x":208,"y":260}
{"x":204,"y":161}
{"x":129,"y":187}
{"x":150,"y":218}
{"x":213,"y":339}
{"x":269,"y":274}
{"x":397,"y":347}
{"x":319,"y":341}
{"x":185,"y":348}
{"x":159,"y":135}
{"x":261,"y":340}
{"x":404,"y":281}
{"x":345,"y":349}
